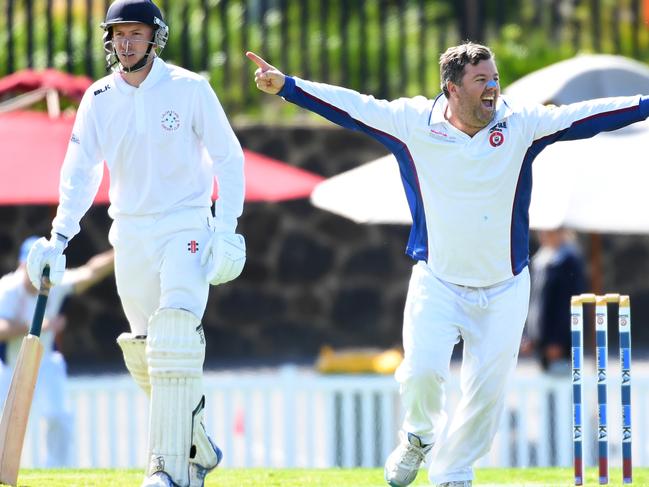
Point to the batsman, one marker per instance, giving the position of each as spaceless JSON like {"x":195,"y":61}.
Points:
{"x":465,"y":159}
{"x":164,"y":137}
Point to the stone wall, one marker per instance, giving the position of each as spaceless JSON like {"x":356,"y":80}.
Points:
{"x":311,"y":278}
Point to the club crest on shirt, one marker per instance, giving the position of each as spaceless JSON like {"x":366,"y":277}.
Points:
{"x":170,"y":121}
{"x":496,"y":134}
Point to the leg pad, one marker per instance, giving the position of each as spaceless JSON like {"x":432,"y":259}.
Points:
{"x":175,"y":351}
{"x":134,"y":350}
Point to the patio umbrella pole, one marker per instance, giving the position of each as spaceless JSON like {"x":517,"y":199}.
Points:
{"x":596,"y":277}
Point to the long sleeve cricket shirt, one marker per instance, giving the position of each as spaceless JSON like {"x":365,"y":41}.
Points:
{"x":468,"y":196}
{"x":163,"y":143}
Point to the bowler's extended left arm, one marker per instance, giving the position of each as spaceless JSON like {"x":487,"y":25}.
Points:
{"x":586,"y":119}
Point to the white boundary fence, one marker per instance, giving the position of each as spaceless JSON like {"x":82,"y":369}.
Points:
{"x":295,"y":418}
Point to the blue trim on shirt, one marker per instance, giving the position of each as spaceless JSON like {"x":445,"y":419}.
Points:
{"x":580,"y":129}
{"x":520,"y":227}
{"x":604,"y":122}
{"x":288,"y":88}
{"x":417,"y":247}
{"x":430,"y":115}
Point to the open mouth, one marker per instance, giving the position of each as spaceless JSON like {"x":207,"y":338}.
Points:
{"x":488,"y":102}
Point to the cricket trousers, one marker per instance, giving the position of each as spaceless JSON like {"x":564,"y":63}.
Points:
{"x":490,"y":322}
{"x":157,"y":263}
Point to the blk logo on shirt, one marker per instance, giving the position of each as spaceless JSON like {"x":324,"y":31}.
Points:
{"x":101,"y":90}
{"x":192,"y":246}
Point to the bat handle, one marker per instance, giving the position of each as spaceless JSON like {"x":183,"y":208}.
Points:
{"x":46,"y":284}
{"x":41,"y":303}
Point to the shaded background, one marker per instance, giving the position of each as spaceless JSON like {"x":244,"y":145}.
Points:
{"x":311,"y":278}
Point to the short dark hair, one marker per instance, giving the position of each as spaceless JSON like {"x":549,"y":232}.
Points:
{"x":454,"y":59}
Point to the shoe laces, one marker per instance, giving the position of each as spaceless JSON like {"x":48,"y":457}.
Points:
{"x":412,"y":455}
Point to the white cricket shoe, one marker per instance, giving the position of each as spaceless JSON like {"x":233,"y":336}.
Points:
{"x":403,"y":464}
{"x":456,"y":483}
{"x":198,"y":472}
{"x":159,"y":479}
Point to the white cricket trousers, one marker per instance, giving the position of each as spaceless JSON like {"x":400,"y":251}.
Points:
{"x":157,"y":263}
{"x":490,"y":322}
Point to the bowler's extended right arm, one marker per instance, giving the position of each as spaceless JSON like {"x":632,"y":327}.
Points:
{"x":381,"y":119}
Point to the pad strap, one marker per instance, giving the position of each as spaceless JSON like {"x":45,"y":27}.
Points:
{"x":202,"y":452}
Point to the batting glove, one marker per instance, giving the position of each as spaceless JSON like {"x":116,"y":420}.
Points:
{"x":224,"y":257}
{"x":48,"y":253}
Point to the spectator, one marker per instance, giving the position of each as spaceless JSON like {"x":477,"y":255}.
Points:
{"x":557,"y":273}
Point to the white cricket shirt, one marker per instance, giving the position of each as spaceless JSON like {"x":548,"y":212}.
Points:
{"x":468,"y":196}
{"x":163,"y":143}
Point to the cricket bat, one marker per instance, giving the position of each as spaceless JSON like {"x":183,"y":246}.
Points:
{"x":19,"y":399}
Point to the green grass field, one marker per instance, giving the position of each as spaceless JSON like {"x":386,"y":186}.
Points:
{"x":257,"y":477}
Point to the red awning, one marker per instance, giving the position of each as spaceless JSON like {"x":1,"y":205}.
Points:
{"x":32,"y":148}
{"x":28,"y":80}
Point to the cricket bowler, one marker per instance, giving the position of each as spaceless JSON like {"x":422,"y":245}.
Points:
{"x":465,"y":159}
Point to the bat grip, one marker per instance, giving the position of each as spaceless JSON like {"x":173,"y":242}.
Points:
{"x":41,"y":302}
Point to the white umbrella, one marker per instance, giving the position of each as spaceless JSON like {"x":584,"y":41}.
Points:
{"x":583,"y":77}
{"x":371,"y":193}
{"x":594,"y":185}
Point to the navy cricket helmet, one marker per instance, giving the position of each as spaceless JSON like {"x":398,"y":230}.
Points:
{"x":125,"y":11}
{"x":143,"y":11}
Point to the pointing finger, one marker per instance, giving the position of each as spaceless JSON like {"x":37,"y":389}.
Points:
{"x":263,"y":65}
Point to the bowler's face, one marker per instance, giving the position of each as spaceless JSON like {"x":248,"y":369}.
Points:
{"x":476,"y":97}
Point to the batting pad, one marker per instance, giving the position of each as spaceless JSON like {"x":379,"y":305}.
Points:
{"x":175,"y":351}
{"x":134,"y":350}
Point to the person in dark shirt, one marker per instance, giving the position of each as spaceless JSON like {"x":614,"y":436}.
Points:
{"x":558,"y":271}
